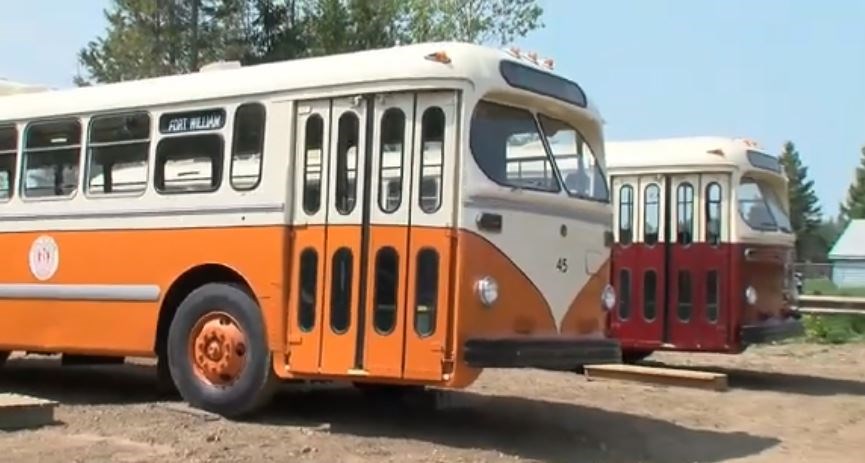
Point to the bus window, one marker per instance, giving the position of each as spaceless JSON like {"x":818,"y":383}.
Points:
{"x":346,"y":163}
{"x":580,"y":171}
{"x":248,"y":146}
{"x":312,"y":160}
{"x":713,"y":213}
{"x":685,"y":295}
{"x":432,"y":159}
{"x":685,"y":213}
{"x":386,"y":287}
{"x":760,"y":207}
{"x":650,"y":295}
{"x":308,"y":289}
{"x":189,"y":164}
{"x":8,"y":150}
{"x":712,"y":296}
{"x":427,"y":288}
{"x":624,"y":294}
{"x":507,"y":147}
{"x":118,"y":148}
{"x":51,"y":158}
{"x":652,"y":211}
{"x":340,"y":291}
{"x":391,"y":153}
{"x":626,"y":214}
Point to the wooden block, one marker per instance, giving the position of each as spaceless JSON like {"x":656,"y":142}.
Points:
{"x":21,"y":412}
{"x":655,"y":375}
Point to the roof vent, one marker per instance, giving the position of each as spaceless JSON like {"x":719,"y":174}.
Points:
{"x":220,"y":66}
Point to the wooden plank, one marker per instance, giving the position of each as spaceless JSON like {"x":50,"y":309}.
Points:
{"x":656,"y":375}
{"x":22,"y":412}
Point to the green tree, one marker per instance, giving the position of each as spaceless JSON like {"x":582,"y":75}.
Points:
{"x":805,"y":213}
{"x":854,"y":206}
{"x":147,"y":38}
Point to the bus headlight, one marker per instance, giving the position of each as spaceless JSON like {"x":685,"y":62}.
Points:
{"x":751,"y":295}
{"x":488,"y":290}
{"x":608,"y":297}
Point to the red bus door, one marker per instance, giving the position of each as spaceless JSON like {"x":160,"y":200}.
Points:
{"x":639,"y":256}
{"x":697,"y":225}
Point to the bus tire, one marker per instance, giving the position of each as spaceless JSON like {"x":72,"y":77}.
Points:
{"x":635,"y":356}
{"x":217,"y":351}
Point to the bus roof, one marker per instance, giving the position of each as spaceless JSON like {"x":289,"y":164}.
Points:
{"x":689,"y":152}
{"x":469,"y":62}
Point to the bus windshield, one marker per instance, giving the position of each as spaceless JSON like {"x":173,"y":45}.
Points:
{"x":508,"y":147}
{"x":760,"y":207}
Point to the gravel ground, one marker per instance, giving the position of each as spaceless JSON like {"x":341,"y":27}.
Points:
{"x":787,"y":403}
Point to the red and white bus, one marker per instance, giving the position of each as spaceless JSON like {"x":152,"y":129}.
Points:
{"x":703,"y":254}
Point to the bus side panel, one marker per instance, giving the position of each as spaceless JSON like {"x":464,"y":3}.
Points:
{"x":67,"y":315}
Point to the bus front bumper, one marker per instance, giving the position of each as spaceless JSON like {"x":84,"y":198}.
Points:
{"x":772,"y":331}
{"x":543,"y":353}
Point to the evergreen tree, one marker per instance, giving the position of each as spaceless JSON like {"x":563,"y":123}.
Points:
{"x":805,"y":213}
{"x":854,"y":206}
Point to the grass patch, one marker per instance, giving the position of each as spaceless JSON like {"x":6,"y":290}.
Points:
{"x":834,"y":329}
{"x":825,"y":287}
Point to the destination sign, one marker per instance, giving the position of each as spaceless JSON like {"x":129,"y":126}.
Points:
{"x":193,"y":121}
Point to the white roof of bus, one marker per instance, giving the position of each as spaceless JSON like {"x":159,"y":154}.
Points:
{"x":401,"y":63}
{"x":679,"y":152}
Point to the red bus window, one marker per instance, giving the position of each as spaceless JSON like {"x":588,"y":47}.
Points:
{"x":685,"y":213}
{"x":684,"y":300}
{"x":652,"y":211}
{"x":650,"y":295}
{"x":713,"y":213}
{"x":712,"y":296}
{"x":624,"y":294}
{"x":626,"y":214}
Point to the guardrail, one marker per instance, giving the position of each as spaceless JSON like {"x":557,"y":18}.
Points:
{"x":831,"y":305}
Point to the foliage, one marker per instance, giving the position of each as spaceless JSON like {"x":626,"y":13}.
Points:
{"x":804,"y":207}
{"x":854,"y":206}
{"x":147,"y":38}
{"x":834,"y":329}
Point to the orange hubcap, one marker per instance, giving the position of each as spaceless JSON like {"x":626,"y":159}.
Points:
{"x":218,"y":349}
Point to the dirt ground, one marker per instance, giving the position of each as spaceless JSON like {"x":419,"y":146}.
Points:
{"x":787,"y":403}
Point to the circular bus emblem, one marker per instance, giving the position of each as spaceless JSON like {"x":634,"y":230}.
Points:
{"x":44,"y":258}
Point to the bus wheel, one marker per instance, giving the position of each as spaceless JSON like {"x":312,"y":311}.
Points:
{"x":217,"y":352}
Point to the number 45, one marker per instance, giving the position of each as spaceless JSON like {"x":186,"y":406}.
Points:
{"x":562,"y":264}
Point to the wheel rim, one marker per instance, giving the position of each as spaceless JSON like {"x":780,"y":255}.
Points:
{"x":218,"y":348}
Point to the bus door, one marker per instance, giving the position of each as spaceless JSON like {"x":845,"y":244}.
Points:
{"x":638,"y":257}
{"x":639,"y":260}
{"x":711,"y":320}
{"x":684,"y":263}
{"x":358,"y":289}
{"x":409,"y":245}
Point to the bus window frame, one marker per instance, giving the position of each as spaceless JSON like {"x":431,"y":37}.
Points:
{"x":15,"y":153}
{"x":147,"y":168}
{"x":21,"y":165}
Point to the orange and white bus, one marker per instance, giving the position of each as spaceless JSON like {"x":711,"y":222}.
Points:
{"x":703,"y":254}
{"x":402,"y":217}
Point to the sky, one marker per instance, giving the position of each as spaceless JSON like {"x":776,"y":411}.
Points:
{"x":769,"y":70}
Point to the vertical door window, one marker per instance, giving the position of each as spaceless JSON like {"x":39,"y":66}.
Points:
{"x":626,"y":214}
{"x":650,"y":295}
{"x":685,"y":213}
{"x":624,"y":294}
{"x":432,"y":159}
{"x":652,"y":213}
{"x":308,"y":289}
{"x":391,"y":152}
{"x":346,"y":163}
{"x":712,"y":293}
{"x":713,"y":213}
{"x":426,"y":287}
{"x":386,"y":288}
{"x":685,"y":301}
{"x":340,"y":291}
{"x":312,"y":163}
